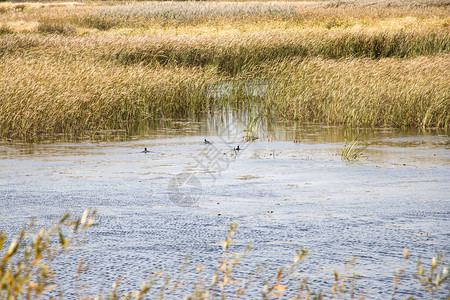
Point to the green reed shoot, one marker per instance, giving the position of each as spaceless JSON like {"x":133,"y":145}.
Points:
{"x":353,"y":150}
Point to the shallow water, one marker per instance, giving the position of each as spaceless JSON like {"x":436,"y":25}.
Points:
{"x":283,"y":196}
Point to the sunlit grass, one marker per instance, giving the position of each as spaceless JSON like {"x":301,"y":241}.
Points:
{"x":75,"y":68}
{"x":360,"y":92}
{"x":71,"y":96}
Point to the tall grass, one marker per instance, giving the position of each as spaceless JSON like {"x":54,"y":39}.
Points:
{"x":177,"y":13}
{"x":360,"y":92}
{"x":315,"y":13}
{"x":46,"y":95}
{"x":77,"y":69}
{"x":232,"y":54}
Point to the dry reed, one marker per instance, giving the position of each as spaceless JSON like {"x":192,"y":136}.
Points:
{"x":80,"y":68}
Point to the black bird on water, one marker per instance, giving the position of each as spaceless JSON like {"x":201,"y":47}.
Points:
{"x":237,"y":148}
{"x":145,"y":151}
{"x":207,"y":142}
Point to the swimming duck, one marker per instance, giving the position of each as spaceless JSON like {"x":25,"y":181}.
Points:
{"x":145,"y":151}
{"x":237,"y":148}
{"x":207,"y":142}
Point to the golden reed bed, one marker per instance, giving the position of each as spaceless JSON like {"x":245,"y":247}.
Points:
{"x":80,"y":67}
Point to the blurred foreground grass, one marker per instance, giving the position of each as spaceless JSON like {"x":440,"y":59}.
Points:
{"x":27,"y":263}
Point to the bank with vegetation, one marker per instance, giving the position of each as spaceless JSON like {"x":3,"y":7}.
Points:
{"x":79,"y":68}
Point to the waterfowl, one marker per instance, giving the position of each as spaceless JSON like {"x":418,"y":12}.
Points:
{"x":207,"y":142}
{"x":145,"y":151}
{"x":237,"y":148}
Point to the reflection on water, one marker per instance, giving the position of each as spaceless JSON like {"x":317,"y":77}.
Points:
{"x":286,"y":189}
{"x":266,"y":128}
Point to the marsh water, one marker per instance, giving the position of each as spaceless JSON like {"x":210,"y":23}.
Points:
{"x":287,"y":188}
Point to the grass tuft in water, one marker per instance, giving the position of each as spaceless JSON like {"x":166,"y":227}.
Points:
{"x":353,"y":150}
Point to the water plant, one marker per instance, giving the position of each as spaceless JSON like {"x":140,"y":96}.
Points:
{"x":251,"y":133}
{"x":353,"y":149}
